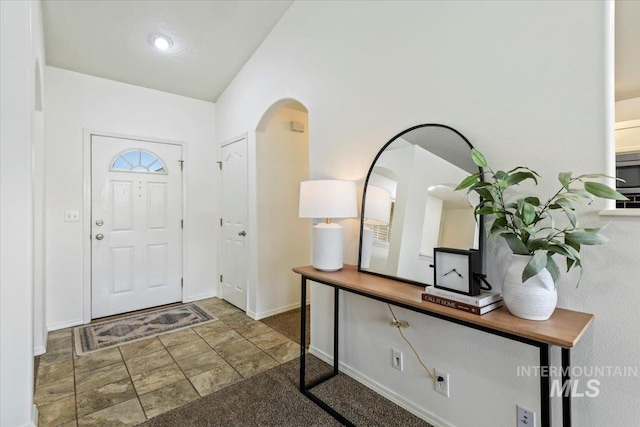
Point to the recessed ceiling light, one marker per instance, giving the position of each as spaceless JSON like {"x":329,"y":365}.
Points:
{"x":161,"y":42}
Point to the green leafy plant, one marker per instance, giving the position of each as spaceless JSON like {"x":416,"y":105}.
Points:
{"x":527,"y":224}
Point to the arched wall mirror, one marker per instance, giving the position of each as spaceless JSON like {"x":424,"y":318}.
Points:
{"x":410,"y":207}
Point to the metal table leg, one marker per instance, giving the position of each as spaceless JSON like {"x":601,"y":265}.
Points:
{"x":305,"y":388}
{"x":545,"y":386}
{"x":566,"y":380}
{"x":336,"y":311}
{"x":303,"y":331}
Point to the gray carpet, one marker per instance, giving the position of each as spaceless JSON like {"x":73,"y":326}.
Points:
{"x":272,"y":399}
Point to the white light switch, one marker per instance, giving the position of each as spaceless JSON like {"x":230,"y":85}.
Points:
{"x":72,"y":216}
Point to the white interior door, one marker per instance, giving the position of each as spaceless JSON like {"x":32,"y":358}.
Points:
{"x":234,"y":224}
{"x":136,"y":223}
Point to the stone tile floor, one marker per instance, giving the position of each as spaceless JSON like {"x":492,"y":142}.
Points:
{"x":126,"y":385}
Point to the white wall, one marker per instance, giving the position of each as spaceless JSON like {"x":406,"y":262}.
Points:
{"x":526,"y":83}
{"x":283,"y":239}
{"x":77,"y":102}
{"x":39,"y":244}
{"x":628,"y":125}
{"x":400,"y":163}
{"x":21,"y":46}
{"x":458,"y":228}
{"x":427,"y":170}
{"x":629,"y":109}
{"x":39,"y":208}
{"x":416,"y":170}
{"x":431,"y":226}
{"x":628,"y":136}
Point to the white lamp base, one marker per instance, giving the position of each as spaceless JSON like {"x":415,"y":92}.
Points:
{"x":327,"y":247}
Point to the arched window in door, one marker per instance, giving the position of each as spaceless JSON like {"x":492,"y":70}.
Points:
{"x":138,"y":161}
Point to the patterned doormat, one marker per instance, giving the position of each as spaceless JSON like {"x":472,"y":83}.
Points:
{"x":111,"y":333}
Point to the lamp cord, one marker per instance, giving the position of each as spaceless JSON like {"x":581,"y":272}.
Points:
{"x":410,"y":345}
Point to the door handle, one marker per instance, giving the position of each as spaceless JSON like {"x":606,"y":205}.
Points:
{"x":242,"y":233}
{"x":99,"y":236}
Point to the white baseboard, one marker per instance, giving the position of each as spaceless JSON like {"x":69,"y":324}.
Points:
{"x":269,"y":313}
{"x":382,"y":390}
{"x":201,"y":297}
{"x":63,"y":325}
{"x":42,"y":349}
{"x":34,"y":418}
{"x":39,"y":350}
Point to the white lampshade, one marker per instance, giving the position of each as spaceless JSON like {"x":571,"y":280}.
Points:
{"x":328,"y":198}
{"x":377,"y":206}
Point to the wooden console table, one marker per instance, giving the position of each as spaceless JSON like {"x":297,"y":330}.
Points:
{"x":563,"y":329}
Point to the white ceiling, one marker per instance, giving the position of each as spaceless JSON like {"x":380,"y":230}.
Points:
{"x":212,"y":41}
{"x":111,"y":39}
{"x":627,"y":49}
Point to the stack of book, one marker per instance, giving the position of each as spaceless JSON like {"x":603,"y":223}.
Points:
{"x":479,"y":304}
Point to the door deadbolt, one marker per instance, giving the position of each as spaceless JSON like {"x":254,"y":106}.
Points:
{"x":99,"y":236}
{"x":99,"y":222}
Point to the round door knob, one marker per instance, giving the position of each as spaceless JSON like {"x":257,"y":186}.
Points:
{"x":242,"y":233}
{"x":99,"y":236}
{"x":99,"y":222}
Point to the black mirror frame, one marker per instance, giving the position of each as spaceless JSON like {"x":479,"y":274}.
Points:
{"x":481,"y":237}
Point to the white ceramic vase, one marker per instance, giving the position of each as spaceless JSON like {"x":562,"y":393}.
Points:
{"x":534,"y":299}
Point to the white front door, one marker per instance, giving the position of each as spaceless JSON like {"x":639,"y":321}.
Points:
{"x":136,"y":214}
{"x":234,"y":224}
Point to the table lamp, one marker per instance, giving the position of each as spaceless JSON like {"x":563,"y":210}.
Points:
{"x":328,"y":199}
{"x":377,"y":211}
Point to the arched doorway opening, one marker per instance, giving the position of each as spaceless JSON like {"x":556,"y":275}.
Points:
{"x":283,"y":239}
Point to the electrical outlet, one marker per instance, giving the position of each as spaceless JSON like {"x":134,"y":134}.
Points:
{"x":442,"y":383}
{"x":396,"y":359}
{"x":526,"y":418}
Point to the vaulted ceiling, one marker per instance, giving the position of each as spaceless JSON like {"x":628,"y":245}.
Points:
{"x":212,"y":40}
